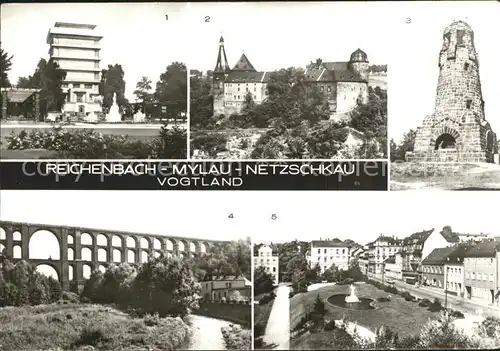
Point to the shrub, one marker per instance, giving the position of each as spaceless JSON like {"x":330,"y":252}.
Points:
{"x":383,"y":299}
{"x":425,"y":303}
{"x":390,"y":290}
{"x":457,"y":314}
{"x":236,"y":338}
{"x":490,"y":326}
{"x":330,"y":325}
{"x":319,"y":306}
{"x":90,"y":336}
{"x":436,"y":306}
{"x":259,"y":329}
{"x":151,"y":320}
{"x":267,"y":298}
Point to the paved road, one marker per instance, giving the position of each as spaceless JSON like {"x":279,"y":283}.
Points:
{"x":207,"y":333}
{"x":453,"y":301}
{"x":278,"y":326}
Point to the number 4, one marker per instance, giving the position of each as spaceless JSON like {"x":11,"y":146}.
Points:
{"x":231,"y":216}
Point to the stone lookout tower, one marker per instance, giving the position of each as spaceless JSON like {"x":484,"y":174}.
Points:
{"x":457,"y":131}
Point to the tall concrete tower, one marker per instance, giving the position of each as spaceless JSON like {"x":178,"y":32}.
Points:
{"x":76,"y":48}
{"x":457,"y":131}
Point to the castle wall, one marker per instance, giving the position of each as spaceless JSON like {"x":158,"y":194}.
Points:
{"x":348,"y":93}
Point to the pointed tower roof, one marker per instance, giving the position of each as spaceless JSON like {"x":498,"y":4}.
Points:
{"x":221,"y":66}
{"x":244,"y":65}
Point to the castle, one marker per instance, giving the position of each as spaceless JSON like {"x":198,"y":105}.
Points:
{"x":457,"y":131}
{"x":344,"y":83}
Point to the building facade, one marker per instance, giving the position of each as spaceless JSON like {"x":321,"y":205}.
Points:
{"x":269,"y":260}
{"x":380,"y":250}
{"x":457,"y":131}
{"x":343,"y":83}
{"x":481,"y":266}
{"x":76,"y":48}
{"x":228,"y":288}
{"x":393,"y":267}
{"x":326,"y":253}
{"x":432,"y":268}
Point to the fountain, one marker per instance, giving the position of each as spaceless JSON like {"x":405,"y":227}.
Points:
{"x":139,"y":117}
{"x":352,"y":298}
{"x":114,"y":113}
{"x":351,"y":302}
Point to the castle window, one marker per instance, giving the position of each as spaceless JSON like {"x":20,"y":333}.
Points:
{"x":469,"y":103}
{"x":466,"y":66}
{"x":235,"y":97}
{"x":238,"y":97}
{"x":322,"y":88}
{"x":329,"y":89}
{"x":238,"y":89}
{"x":255,"y":97}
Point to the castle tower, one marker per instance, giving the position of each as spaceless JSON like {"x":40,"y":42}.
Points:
{"x":457,"y":131}
{"x":359,"y":63}
{"x":220,"y":73}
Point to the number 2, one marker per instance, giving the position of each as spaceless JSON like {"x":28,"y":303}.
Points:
{"x":207,"y":18}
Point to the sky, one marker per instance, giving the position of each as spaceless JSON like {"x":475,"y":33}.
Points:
{"x":135,"y":35}
{"x":285,"y":34}
{"x":413,"y":65}
{"x":363,"y":216}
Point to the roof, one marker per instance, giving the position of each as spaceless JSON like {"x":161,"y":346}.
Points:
{"x":451,"y":237}
{"x":438,"y":256}
{"x":483,"y":249}
{"x":418,"y":238}
{"x":244,"y":65}
{"x":389,"y":239}
{"x":328,"y":243}
{"x":227,"y":278}
{"x":457,"y":256}
{"x":19,"y":95}
{"x":333,"y":72}
{"x":359,"y":56}
{"x":247,"y":77}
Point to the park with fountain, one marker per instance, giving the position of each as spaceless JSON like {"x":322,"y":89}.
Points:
{"x":340,"y":315}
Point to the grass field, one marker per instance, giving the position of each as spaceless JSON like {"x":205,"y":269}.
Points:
{"x":445,"y":176}
{"x":81,"y":326}
{"x":399,"y":315}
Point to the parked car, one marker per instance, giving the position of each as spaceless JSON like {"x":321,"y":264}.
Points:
{"x":390,"y":281}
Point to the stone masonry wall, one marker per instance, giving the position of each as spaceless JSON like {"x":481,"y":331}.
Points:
{"x":459,"y":109}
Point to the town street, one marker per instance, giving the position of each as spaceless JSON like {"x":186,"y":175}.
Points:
{"x":278,"y":326}
{"x":454,"y":302}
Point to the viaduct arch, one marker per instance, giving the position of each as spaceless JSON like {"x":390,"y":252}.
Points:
{"x":87,"y":249}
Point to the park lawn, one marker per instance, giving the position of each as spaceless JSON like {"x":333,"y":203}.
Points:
{"x":446,"y":176}
{"x":77,"y":326}
{"x":399,"y":315}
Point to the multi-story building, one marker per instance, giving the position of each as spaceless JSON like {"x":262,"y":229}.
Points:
{"x":76,"y":48}
{"x":417,"y":247}
{"x":226,"y":288}
{"x":432,"y":267}
{"x":472,"y":237}
{"x":380,"y":250}
{"x":394,"y":267}
{"x":326,"y":253}
{"x":343,"y":83}
{"x":481,"y":266}
{"x":454,"y":273}
{"x":266,"y":258}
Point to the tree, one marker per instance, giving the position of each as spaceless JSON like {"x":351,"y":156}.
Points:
{"x":330,"y":274}
{"x":201,"y":101}
{"x":112,"y":81}
{"x":143,"y":90}
{"x":171,"y":89}
{"x":263,"y":281}
{"x":23,"y":82}
{"x":5,"y":66}
{"x":406,"y":145}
